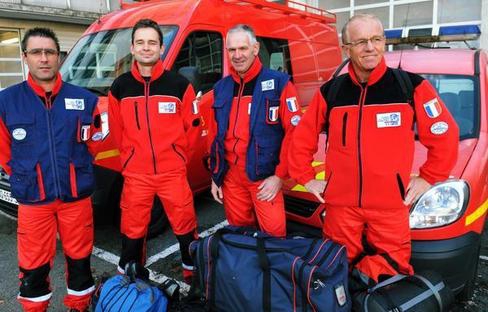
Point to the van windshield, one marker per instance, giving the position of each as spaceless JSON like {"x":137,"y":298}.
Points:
{"x":461,"y":96}
{"x":97,"y":59}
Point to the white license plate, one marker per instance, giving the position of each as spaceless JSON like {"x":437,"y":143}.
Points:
{"x":5,"y":196}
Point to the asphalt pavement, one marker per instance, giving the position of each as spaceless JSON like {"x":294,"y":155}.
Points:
{"x":163,"y":257}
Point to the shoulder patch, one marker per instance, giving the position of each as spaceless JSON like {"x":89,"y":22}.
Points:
{"x":439,"y":128}
{"x":432,"y":108}
{"x":292,"y":104}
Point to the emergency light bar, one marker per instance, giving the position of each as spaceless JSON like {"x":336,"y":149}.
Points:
{"x":426,"y":35}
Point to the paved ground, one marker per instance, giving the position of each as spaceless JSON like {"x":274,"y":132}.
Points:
{"x":163,"y":260}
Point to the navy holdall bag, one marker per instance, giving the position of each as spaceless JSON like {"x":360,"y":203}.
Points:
{"x":246,"y":270}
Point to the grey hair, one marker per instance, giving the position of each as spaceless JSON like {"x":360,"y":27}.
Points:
{"x":245,"y":28}
{"x":344,"y":31}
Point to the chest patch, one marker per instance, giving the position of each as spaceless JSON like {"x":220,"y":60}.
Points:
{"x":167,"y":107}
{"x":74,"y":104}
{"x":19,"y":134}
{"x":387,"y":120}
{"x":267,"y":85}
{"x":273,"y":113}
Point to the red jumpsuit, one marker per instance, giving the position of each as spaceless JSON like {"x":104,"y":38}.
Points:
{"x":242,"y":208}
{"x":39,"y":223}
{"x":369,"y":155}
{"x":154,"y":125}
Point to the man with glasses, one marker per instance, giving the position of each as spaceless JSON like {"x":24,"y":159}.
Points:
{"x":370,"y":123}
{"x":44,"y":135}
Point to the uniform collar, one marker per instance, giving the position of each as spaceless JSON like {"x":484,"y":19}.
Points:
{"x":40,"y":91}
{"x":156,"y":71}
{"x":375,"y":75}
{"x":251,"y":73}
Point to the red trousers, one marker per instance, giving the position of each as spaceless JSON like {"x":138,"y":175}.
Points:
{"x":36,"y":237}
{"x":136,"y":203}
{"x":387,"y":232}
{"x":242,"y":208}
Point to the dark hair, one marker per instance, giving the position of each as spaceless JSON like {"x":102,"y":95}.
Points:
{"x":148,"y":23}
{"x":39,"y":32}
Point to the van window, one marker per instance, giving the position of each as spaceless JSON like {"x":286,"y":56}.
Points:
{"x":97,"y":59}
{"x":200,"y":59}
{"x":460,"y":95}
{"x":275,"y":54}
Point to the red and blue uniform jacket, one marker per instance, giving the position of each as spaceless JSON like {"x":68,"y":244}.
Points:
{"x":44,"y":145}
{"x":266,"y":131}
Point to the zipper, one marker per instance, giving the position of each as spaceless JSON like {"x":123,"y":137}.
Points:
{"x":137,"y":116}
{"x":52,"y":149}
{"x":362,"y":99}
{"x":179,"y":154}
{"x":344,"y":127}
{"x":146,"y":95}
{"x":239,"y":95}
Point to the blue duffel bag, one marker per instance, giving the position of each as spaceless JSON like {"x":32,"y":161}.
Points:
{"x":122,"y":294}
{"x":241,"y":270}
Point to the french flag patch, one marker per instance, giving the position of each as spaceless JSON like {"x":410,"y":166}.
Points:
{"x":273,"y":113}
{"x":433,"y":108}
{"x":292,"y":104}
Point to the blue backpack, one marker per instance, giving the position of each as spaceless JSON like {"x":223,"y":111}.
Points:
{"x":122,"y":294}
{"x":241,"y":270}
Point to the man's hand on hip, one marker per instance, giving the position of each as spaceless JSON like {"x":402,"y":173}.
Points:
{"x":316,"y":187}
{"x":217,"y":192}
{"x":269,"y":188}
{"x":415,"y":189}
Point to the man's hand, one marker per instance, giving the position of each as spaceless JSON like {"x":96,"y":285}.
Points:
{"x":415,"y":189}
{"x":316,"y":187}
{"x":217,"y":192}
{"x":269,"y":188}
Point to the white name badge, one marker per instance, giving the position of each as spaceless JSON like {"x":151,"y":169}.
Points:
{"x":74,"y":104}
{"x":267,"y":85}
{"x":167,"y":107}
{"x":387,"y":120}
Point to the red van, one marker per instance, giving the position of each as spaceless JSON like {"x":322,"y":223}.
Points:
{"x":447,"y":221}
{"x":295,"y":38}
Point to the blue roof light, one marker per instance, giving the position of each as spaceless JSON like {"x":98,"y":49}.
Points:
{"x":459,"y":30}
{"x":393,"y":33}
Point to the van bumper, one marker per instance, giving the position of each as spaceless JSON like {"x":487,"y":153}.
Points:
{"x":456,"y":259}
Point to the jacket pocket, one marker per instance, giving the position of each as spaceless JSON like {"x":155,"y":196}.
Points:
{"x":23,"y":133}
{"x":401,"y":187}
{"x":344,"y":128}
{"x":267,"y":157}
{"x":81,"y":176}
{"x":136,"y":114}
{"x":128,"y":159}
{"x":179,"y":153}
{"x":24,"y":181}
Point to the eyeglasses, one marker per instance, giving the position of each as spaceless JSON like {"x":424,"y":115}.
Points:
{"x":361,"y":43}
{"x":39,"y":52}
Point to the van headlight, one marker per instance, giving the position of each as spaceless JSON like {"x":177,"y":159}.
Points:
{"x":443,"y":204}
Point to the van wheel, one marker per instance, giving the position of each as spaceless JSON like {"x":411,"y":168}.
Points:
{"x":159,"y":220}
{"x":468,"y":290}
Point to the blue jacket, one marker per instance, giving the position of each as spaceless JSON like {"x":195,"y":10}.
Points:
{"x":49,"y":158}
{"x":265,"y":139}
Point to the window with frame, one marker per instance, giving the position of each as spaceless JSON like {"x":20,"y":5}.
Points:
{"x":11,"y":68}
{"x":275,"y":54}
{"x":200,"y":59}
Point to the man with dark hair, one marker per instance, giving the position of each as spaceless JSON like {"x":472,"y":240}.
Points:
{"x":370,"y":124}
{"x":256,"y":110}
{"x":154,"y":123}
{"x":44,"y":146}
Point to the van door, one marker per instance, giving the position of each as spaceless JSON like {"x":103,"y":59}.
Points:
{"x":200,"y":60}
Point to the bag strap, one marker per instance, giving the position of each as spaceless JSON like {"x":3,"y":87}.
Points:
{"x":405,"y":84}
{"x":264,"y":264}
{"x":433,"y":290}
{"x":214,"y":254}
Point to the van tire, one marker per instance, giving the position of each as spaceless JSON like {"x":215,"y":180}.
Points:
{"x":159,"y":220}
